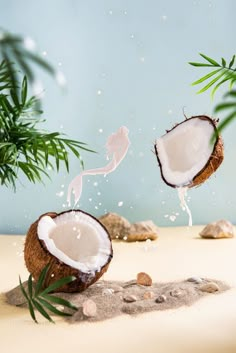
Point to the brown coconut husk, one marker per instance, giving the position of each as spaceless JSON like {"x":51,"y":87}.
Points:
{"x":37,"y":256}
{"x":214,"y":161}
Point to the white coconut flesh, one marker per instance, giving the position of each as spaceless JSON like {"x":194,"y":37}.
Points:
{"x":76,"y":239}
{"x":184,"y":151}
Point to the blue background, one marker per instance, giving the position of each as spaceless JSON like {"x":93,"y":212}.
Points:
{"x":135,"y":54}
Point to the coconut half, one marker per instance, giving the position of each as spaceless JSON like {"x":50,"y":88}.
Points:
{"x":73,"y":243}
{"x":186,"y":155}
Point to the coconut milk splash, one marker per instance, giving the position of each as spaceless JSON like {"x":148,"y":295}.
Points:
{"x":117,"y":146}
{"x":182,"y":193}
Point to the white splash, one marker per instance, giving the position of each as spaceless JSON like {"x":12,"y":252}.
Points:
{"x":29,"y":44}
{"x":60,"y":78}
{"x":182,"y":192}
{"x":117,"y":146}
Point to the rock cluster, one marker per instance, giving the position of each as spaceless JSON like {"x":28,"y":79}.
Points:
{"x":120,"y":228}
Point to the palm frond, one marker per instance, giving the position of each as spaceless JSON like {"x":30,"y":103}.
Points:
{"x":221,"y":72}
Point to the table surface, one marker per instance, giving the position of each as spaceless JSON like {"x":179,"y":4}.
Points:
{"x":208,"y":326}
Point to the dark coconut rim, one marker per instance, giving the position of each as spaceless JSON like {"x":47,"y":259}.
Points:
{"x":213,"y":122}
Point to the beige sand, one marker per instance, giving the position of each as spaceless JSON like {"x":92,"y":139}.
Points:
{"x":207,"y":326}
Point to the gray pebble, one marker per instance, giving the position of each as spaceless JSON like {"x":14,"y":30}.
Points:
{"x":209,"y":287}
{"x":161,"y":299}
{"x":176,"y":293}
{"x":107,"y":291}
{"x":194,"y":279}
{"x":117,"y":289}
{"x":130,"y":298}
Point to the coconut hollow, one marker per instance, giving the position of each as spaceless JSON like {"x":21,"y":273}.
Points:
{"x":186,"y":155}
{"x":73,"y":243}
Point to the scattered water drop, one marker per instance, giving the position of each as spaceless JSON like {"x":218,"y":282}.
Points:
{"x":60,"y":193}
{"x":169,"y":112}
{"x":99,"y":92}
{"x":125,"y":12}
{"x":60,"y":78}
{"x":100,"y":204}
{"x":125,"y":238}
{"x":98,"y":193}
{"x":110,"y":12}
{"x":142,"y":59}
{"x":74,"y":229}
{"x":141,"y":154}
{"x":63,"y":205}
{"x":90,"y":199}
{"x":52,"y":275}
{"x":164,"y":17}
{"x":44,"y":53}
{"x":132,"y":36}
{"x":96,"y":207}
{"x":29,"y":44}
{"x":172,"y":218}
{"x":59,"y":64}
{"x":100,"y":130}
{"x":95,"y":183}
{"x":120,"y":203}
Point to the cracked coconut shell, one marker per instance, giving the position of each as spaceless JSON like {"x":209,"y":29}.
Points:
{"x":93,"y":250}
{"x":174,"y":148}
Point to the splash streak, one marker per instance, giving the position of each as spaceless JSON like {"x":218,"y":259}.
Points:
{"x":116,"y":146}
{"x":182,"y":192}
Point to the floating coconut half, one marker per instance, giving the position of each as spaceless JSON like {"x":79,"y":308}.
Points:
{"x":73,"y":243}
{"x":186,"y":154}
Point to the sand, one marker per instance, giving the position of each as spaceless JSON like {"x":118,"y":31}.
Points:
{"x":208,"y":325}
{"x":113,"y":298}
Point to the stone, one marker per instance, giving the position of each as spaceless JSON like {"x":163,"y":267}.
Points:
{"x":160,"y":299}
{"x":176,"y":293}
{"x":89,"y":308}
{"x":209,"y":287}
{"x":142,"y":231}
{"x":117,"y":289}
{"x":117,"y":226}
{"x":144,"y":279}
{"x":129,"y":298}
{"x":218,"y":230}
{"x":148,"y":295}
{"x":108,"y":291}
{"x":194,"y":279}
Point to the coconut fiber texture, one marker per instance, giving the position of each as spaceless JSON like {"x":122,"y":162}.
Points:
{"x":37,"y":257}
{"x":111,"y":297}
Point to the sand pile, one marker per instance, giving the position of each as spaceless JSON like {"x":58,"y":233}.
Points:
{"x":107,"y":299}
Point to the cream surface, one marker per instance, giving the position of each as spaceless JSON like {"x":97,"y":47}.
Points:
{"x":208,"y":326}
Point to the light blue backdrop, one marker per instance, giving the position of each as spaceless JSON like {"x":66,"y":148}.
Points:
{"x":134,"y":53}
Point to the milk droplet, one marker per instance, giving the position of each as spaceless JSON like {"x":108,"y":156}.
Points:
{"x":100,"y":130}
{"x":60,"y":193}
{"x":99,"y":92}
{"x":120,"y":203}
{"x":29,"y":44}
{"x":98,"y":193}
{"x":172,"y":218}
{"x":44,"y":53}
{"x":60,"y":78}
{"x":95,"y":183}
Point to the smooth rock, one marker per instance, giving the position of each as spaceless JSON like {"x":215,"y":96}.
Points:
{"x":130,"y":298}
{"x":108,"y":291}
{"x":176,"y":293}
{"x":218,"y":230}
{"x":194,"y":279}
{"x":144,"y":279}
{"x":209,"y":287}
{"x":148,"y":295}
{"x":89,"y":308}
{"x":160,"y":299}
